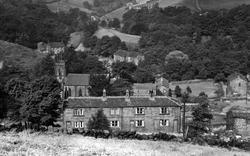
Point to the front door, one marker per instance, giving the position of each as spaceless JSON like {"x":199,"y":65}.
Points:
{"x":175,"y":126}
{"x":68,"y":127}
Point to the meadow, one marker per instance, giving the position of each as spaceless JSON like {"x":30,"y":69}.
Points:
{"x":44,"y":144}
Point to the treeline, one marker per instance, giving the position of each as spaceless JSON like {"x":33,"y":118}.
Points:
{"x":29,"y":23}
{"x":216,"y":42}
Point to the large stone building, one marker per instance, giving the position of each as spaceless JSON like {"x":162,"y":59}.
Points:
{"x":238,"y":119}
{"x":128,"y":113}
{"x":51,"y":48}
{"x":130,"y":57}
{"x":77,"y":85}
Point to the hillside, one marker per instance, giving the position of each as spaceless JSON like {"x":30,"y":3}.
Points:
{"x":130,"y":40}
{"x":18,"y":55}
{"x":67,"y":5}
{"x":63,"y":145}
{"x":206,"y":4}
{"x":118,"y":13}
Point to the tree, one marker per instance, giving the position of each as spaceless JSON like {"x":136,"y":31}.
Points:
{"x":45,"y":67}
{"x":97,"y":84}
{"x":119,"y":87}
{"x":143,"y":76}
{"x":98,"y":121}
{"x":170,"y":92}
{"x":87,"y":5}
{"x":115,"y":23}
{"x":189,"y":91}
{"x":42,"y":105}
{"x":177,"y":91}
{"x":202,"y":117}
{"x":124,"y":70}
{"x":220,"y":77}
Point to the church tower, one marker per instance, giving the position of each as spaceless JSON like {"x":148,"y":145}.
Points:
{"x":60,"y":71}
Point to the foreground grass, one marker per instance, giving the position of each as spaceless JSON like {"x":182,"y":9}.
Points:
{"x":64,"y":145}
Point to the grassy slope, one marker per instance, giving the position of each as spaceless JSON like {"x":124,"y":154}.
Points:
{"x":58,"y":144}
{"x":19,"y":55}
{"x":132,"y":40}
{"x":66,"y":5}
{"x":118,"y":13}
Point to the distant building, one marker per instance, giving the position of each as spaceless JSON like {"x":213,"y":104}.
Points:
{"x":238,"y":119}
{"x":162,"y":85}
{"x":76,"y":85}
{"x":237,"y":85}
{"x":51,"y":48}
{"x":142,"y":4}
{"x":126,"y":113}
{"x":130,"y":57}
{"x":144,"y":89}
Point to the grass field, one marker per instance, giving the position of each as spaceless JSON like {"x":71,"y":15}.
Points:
{"x":67,"y":145}
{"x":130,"y":40}
{"x":19,"y":55}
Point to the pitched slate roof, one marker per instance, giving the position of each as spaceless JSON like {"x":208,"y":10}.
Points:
{"x":77,"y":80}
{"x":235,"y":75}
{"x":144,"y":86}
{"x":120,"y":102}
{"x":124,"y":53}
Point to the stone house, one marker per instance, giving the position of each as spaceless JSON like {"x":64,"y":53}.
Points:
{"x":126,"y":113}
{"x":238,"y":119}
{"x":77,"y":85}
{"x":237,"y":85}
{"x":130,"y":57}
{"x":142,"y":4}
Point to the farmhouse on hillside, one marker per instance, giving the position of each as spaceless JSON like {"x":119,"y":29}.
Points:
{"x":237,"y":85}
{"x":130,"y":57}
{"x":77,"y":85}
{"x":145,"y":114}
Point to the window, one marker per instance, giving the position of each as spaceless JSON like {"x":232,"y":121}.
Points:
{"x":140,"y":110}
{"x":114,"y":123}
{"x":164,"y":122}
{"x":164,"y":110}
{"x":114,"y":111}
{"x":79,"y":124}
{"x":80,"y":92}
{"x":239,"y":84}
{"x":139,"y":123}
{"x":78,"y":112}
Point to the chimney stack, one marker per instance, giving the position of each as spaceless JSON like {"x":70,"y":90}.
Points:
{"x":104,"y":96}
{"x":127,"y":99}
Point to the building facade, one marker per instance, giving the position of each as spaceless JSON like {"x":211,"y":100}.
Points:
{"x":130,"y":57}
{"x":144,"y":89}
{"x":126,"y":113}
{"x":53,"y":48}
{"x":237,"y":85}
{"x":76,"y":85}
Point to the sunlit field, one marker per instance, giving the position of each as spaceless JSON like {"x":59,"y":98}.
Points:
{"x":58,"y":144}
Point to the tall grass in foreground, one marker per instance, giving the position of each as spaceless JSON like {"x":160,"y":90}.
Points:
{"x":47,"y":144}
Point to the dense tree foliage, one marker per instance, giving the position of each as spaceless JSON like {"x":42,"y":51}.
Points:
{"x":98,"y":121}
{"x":98,"y":83}
{"x":201,"y":118}
{"x":28,"y":23}
{"x":77,"y":62}
{"x":45,"y":67}
{"x":214,"y":41}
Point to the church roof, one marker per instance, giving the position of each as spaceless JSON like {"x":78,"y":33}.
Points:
{"x":77,"y":80}
{"x":144,"y":86}
{"x":121,"y":102}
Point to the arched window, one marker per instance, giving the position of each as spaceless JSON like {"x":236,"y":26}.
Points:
{"x":239,"y":84}
{"x":69,"y":92}
{"x":80,"y":92}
